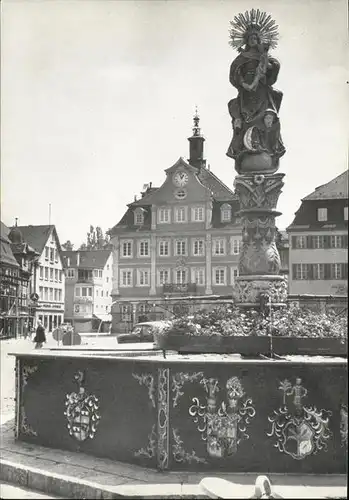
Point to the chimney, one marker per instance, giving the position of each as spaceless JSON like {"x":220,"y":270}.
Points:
{"x":77,"y":259}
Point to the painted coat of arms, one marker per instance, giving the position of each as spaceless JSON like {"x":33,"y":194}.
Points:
{"x":344,"y":425}
{"x":223,"y":426}
{"x":81,"y":411}
{"x":299,"y":430}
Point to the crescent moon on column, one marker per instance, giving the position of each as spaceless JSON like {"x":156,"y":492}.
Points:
{"x":248,"y":139}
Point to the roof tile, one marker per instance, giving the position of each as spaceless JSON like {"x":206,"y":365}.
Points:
{"x":337,"y":188}
{"x":89,"y":259}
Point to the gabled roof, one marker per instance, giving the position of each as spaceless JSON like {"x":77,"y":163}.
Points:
{"x":335,"y":189}
{"x":6,"y":255}
{"x":208,"y":179}
{"x":89,"y":259}
{"x":181,"y":162}
{"x":37,"y":236}
{"x":220,"y":191}
{"x":4,"y":231}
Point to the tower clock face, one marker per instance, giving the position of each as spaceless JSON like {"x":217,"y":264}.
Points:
{"x":180,"y":178}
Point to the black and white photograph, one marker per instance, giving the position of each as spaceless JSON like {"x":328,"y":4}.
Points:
{"x":174,"y":249}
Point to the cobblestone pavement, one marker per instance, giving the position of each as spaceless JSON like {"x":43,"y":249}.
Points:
{"x":11,"y":491}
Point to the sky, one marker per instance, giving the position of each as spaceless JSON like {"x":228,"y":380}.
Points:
{"x":97,"y":99}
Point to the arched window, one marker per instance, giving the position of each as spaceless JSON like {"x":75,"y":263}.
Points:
{"x":139,"y":216}
{"x":225,"y":212}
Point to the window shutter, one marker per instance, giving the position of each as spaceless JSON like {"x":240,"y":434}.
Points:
{"x":344,"y":271}
{"x":294,"y":241}
{"x":327,"y":271}
{"x":294,"y":269}
{"x":309,"y":240}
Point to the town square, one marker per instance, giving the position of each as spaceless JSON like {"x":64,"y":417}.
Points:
{"x":174,"y":264}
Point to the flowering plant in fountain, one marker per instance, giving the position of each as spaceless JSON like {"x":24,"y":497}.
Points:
{"x":289,"y":321}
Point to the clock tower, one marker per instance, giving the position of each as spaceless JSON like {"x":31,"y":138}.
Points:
{"x":196,"y":145}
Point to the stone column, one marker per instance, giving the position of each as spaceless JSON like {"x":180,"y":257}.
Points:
{"x":259,"y":262}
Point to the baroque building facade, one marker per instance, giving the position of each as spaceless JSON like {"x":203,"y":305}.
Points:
{"x":88,"y":286}
{"x":179,"y":240}
{"x":318,"y":235}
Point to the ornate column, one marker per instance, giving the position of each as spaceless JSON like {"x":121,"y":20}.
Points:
{"x":259,"y":261}
{"x":256,"y":147}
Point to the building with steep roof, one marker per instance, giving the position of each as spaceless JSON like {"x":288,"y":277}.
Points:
{"x":180,"y":239}
{"x":9,"y":285}
{"x":17,"y":263}
{"x":88,"y":287}
{"x":318,"y":235}
{"x":48,"y":279}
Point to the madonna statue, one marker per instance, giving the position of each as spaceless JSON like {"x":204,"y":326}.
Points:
{"x":252,"y":73}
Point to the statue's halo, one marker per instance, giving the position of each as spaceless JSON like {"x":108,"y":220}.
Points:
{"x":254,"y":21}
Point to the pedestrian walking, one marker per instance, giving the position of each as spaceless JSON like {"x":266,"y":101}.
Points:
{"x":40,"y":336}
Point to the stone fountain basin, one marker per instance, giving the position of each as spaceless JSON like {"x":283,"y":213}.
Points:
{"x":156,"y":412}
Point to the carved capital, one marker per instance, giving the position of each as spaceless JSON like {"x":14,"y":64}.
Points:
{"x":258,"y":192}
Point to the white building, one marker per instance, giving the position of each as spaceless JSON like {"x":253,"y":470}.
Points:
{"x":48,"y":279}
{"x":88,"y":288}
{"x":318,"y":254}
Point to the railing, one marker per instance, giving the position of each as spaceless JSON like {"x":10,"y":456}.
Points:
{"x":179,"y":289}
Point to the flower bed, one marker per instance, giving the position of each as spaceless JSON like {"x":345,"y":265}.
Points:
{"x":290,"y":330}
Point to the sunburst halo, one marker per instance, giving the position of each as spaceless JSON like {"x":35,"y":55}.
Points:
{"x":253,"y":21}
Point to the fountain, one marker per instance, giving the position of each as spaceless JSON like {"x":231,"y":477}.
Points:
{"x":205,"y":412}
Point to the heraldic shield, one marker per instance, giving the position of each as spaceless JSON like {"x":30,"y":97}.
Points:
{"x":223,"y":426}
{"x":81,"y":411}
{"x":299,"y":430}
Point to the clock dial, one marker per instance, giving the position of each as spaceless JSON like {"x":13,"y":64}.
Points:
{"x":180,"y":178}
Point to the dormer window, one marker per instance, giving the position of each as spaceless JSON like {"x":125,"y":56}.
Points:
{"x":226,"y":213}
{"x":322,"y":214}
{"x":139,"y":216}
